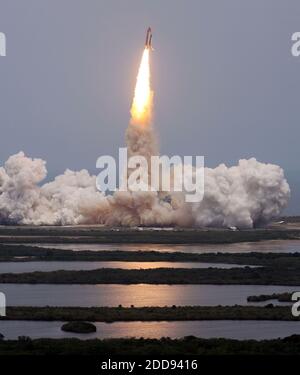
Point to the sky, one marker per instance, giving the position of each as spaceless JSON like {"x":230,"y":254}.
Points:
{"x":225,"y":82}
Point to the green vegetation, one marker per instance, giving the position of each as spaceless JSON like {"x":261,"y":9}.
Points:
{"x":171,"y":313}
{"x":165,"y":346}
{"x":98,"y":234}
{"x":275,"y":268}
{"x":21,"y":253}
{"x":281,"y":297}
{"x":79,"y":327}
{"x":246,"y":276}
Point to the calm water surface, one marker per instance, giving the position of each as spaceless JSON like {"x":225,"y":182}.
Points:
{"x":206,"y":329}
{"x":137,"y":295}
{"x":276,"y":246}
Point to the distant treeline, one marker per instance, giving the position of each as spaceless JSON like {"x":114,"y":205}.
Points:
{"x":21,"y":253}
{"x":96,"y":234}
{"x":171,"y":313}
{"x":164,"y":346}
{"x":247,"y":276}
{"x":281,"y":297}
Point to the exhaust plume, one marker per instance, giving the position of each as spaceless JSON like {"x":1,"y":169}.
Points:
{"x":141,"y":109}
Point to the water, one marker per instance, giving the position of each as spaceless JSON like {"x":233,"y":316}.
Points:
{"x":257,"y":330}
{"x":137,"y":295}
{"x":146,"y":295}
{"x":19,"y":267}
{"x":274,"y":246}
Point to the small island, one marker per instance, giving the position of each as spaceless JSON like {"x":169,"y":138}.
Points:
{"x":79,"y":327}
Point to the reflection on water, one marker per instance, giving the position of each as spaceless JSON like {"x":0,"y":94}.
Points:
{"x":206,"y":329}
{"x":18,"y":267}
{"x":137,"y":295}
{"x":146,"y":295}
{"x":276,"y":246}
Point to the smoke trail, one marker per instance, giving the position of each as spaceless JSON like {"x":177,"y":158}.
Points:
{"x":133,"y":208}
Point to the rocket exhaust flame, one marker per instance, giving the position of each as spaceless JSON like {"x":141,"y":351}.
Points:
{"x":140,"y":137}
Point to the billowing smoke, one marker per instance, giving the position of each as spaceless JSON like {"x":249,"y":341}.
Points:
{"x":246,"y":195}
{"x":71,"y":198}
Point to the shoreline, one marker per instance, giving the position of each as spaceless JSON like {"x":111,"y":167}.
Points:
{"x":167,"y":313}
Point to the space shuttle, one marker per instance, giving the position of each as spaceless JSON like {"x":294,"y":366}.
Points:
{"x":148,"y":43}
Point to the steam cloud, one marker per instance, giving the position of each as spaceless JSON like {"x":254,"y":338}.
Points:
{"x":71,"y":198}
{"x":246,"y":195}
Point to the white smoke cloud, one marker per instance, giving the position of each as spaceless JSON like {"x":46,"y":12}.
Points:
{"x":71,"y":198}
{"x":249,"y":194}
{"x":246,"y":195}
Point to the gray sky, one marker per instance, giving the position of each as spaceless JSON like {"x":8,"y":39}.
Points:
{"x":226,"y":85}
